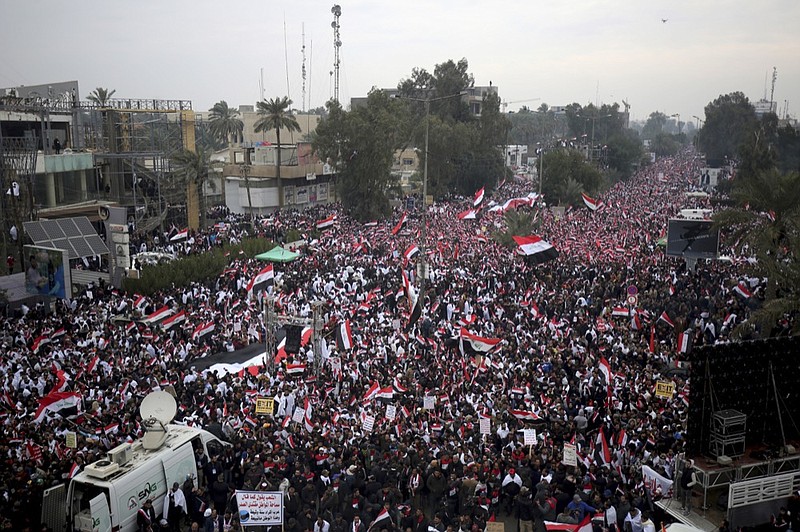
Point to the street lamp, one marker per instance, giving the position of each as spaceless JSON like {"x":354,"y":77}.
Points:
{"x":424,"y":232}
{"x":699,"y":121}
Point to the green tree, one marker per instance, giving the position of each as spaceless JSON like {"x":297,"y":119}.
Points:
{"x":518,"y":222}
{"x":654,"y":125}
{"x":361,"y":145}
{"x":566,"y":175}
{"x":625,"y":152}
{"x":225,"y":123}
{"x":665,"y":145}
{"x":730,"y":121}
{"x":192,"y":169}
{"x":766,"y":218}
{"x":276,"y":114}
{"x":101,"y":96}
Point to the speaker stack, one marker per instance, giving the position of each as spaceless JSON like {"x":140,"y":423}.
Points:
{"x":728,"y":430}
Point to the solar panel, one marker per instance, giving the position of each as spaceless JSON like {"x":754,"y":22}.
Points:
{"x":84,"y":225}
{"x":53,"y":229}
{"x":96,"y":243}
{"x":69,"y":228}
{"x":35,"y":231}
{"x":75,"y":235}
{"x":82,"y":249}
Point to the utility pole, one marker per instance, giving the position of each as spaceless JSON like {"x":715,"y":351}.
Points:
{"x":424,"y":230}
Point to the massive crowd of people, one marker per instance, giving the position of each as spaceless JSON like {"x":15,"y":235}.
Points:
{"x":426,"y":460}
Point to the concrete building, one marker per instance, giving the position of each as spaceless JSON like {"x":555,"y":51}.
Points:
{"x":305,"y":180}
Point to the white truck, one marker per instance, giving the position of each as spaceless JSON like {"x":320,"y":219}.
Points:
{"x":107,"y":494}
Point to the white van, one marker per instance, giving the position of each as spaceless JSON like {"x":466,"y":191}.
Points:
{"x":107,"y":494}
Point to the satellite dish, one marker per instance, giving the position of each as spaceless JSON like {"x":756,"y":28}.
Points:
{"x":160,"y":406}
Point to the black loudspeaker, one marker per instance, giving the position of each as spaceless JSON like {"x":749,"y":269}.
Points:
{"x":293,"y":334}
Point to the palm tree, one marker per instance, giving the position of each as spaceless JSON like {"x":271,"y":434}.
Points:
{"x":101,"y":96}
{"x":766,"y":218}
{"x":518,"y":223}
{"x":276,"y":114}
{"x":192,"y":168}
{"x":225,"y":122}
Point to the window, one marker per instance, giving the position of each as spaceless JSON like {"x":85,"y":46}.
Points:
{"x":408,"y":162}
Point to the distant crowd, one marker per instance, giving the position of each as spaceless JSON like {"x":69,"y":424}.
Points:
{"x":391,"y":437}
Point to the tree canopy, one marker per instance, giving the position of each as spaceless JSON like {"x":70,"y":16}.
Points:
{"x":730,"y":121}
{"x":225,"y":123}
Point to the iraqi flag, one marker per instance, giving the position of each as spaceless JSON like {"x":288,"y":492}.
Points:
{"x":55,"y":335}
{"x":371,"y":392}
{"x":264,"y":278}
{"x":140,"y":302}
{"x":742,"y":290}
{"x":583,"y":526}
{"x":684,"y":342}
{"x":386,"y":394}
{"x":469,"y":214}
{"x":93,"y":364}
{"x":180,"y":235}
{"x":74,"y":470}
{"x":180,"y":317}
{"x":203,"y":329}
{"x":593,"y":204}
{"x":665,"y":318}
{"x":64,"y":404}
{"x":398,"y":386}
{"x":162,"y":313}
{"x":396,"y":229}
{"x":535,"y":248}
{"x":524,"y":415}
{"x":478,"y":199}
{"x":383,"y":515}
{"x":40,"y":342}
{"x":602,"y":447}
{"x":411,"y":250}
{"x":327,"y":222}
{"x":295,"y":369}
{"x":605,"y":369}
{"x":478,"y":343}
{"x":620,"y":312}
{"x":344,"y":336}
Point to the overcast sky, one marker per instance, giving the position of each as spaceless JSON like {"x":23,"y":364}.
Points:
{"x":559,"y":52}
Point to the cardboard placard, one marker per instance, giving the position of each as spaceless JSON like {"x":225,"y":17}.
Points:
{"x":486,"y":426}
{"x":570,"y":455}
{"x":299,"y":414}
{"x":530,"y":436}
{"x":391,"y":412}
{"x":72,"y":440}
{"x":665,"y":390}
{"x":429,"y":402}
{"x":265,"y":405}
{"x":369,"y":423}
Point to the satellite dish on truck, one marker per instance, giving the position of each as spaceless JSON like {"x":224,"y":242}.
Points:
{"x":157,"y":410}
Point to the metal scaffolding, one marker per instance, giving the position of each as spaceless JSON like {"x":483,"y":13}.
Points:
{"x":17,"y":167}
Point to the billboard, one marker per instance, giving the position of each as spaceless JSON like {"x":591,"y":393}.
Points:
{"x":47,"y":272}
{"x":692,"y":239}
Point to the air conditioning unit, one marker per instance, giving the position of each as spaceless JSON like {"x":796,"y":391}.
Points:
{"x":102,"y":469}
{"x":121,"y":454}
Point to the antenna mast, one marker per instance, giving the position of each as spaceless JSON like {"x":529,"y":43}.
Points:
{"x":772,"y":92}
{"x":303,"y":70}
{"x":337,"y":43}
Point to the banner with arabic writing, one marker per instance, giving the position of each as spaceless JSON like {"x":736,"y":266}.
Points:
{"x":260,"y":507}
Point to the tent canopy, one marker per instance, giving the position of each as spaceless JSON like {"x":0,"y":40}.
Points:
{"x":278,"y":254}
